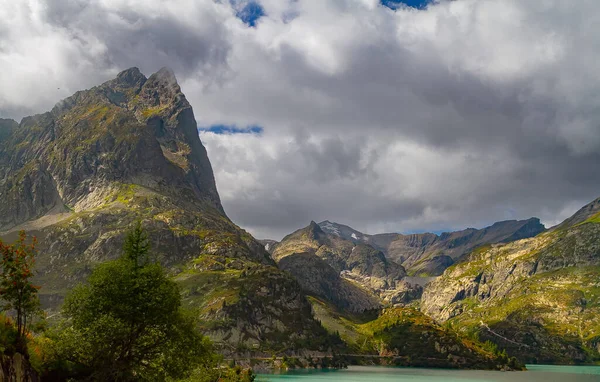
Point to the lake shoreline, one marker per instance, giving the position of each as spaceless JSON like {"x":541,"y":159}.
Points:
{"x":338,"y":362}
{"x":545,"y":373}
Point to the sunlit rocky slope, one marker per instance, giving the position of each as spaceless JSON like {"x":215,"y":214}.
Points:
{"x":532,"y":292}
{"x":539,"y":298}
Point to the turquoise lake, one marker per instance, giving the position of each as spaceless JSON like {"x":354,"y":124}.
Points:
{"x":384,"y":374}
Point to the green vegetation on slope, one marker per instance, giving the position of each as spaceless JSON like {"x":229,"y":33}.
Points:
{"x":405,"y":336}
{"x":126,"y":323}
{"x":537,"y":298}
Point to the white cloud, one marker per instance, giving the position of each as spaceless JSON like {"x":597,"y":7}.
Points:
{"x":458,"y":115}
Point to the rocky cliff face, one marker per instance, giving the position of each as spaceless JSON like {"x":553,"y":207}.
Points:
{"x":130,"y":130}
{"x":428,"y":254}
{"x":537,"y":297}
{"x":319,"y":279}
{"x":80,"y":175}
{"x":355,"y":262}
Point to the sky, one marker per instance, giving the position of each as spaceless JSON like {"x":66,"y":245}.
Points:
{"x":386,"y":116}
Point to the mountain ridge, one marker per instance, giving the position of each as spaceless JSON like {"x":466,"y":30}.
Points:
{"x":428,"y":254}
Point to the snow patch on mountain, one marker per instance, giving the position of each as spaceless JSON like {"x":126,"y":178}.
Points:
{"x":327,"y":226}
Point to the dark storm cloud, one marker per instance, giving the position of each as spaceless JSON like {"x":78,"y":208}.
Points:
{"x":513,"y":109}
{"x":459,"y":114}
{"x":316,"y":179}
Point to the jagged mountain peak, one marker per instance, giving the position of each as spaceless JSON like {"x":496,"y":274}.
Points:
{"x":313,"y":230}
{"x":351,"y":260}
{"x":131,"y":77}
{"x":131,"y":130}
{"x":343,"y":231}
{"x":166,"y":74}
{"x":162,"y":88}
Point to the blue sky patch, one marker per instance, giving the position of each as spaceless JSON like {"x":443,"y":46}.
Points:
{"x":250,"y":13}
{"x":232,"y":129}
{"x":395,"y":4}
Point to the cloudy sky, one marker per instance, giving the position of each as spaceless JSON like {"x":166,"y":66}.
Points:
{"x":381,"y":115}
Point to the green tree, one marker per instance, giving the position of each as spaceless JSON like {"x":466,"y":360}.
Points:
{"x":127,"y":324}
{"x":136,"y":245}
{"x":16,"y":288}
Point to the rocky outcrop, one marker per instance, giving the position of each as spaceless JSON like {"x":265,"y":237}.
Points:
{"x":536,"y":297}
{"x":428,"y":254}
{"x":28,"y":194}
{"x":248,"y":308}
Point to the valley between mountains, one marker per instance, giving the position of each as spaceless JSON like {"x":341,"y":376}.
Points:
{"x":79,"y":176}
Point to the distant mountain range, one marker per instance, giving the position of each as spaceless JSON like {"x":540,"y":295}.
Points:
{"x":329,"y":258}
{"x":429,"y":254}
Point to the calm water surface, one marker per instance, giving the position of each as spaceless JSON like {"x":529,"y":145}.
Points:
{"x":385,"y":374}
